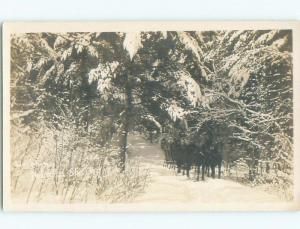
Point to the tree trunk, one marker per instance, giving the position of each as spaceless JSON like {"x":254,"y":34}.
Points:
{"x":88,"y":114}
{"x":126,"y":120}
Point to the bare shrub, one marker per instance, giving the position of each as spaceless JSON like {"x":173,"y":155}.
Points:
{"x":68,"y":167}
{"x":273,"y":174}
{"x":115,"y":186}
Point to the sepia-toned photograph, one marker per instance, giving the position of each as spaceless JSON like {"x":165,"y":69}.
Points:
{"x":150,"y":116}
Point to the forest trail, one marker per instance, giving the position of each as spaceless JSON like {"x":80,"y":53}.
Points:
{"x":166,"y":186}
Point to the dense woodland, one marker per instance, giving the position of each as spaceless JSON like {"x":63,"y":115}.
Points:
{"x":75,"y":98}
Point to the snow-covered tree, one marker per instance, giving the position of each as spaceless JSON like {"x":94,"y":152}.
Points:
{"x":240,"y":81}
{"x":250,"y":90}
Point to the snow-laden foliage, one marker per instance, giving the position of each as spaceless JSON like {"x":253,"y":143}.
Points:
{"x":237,"y":82}
{"x":191,"y":44}
{"x":187,"y":84}
{"x":103,"y":75}
{"x":153,"y":120}
{"x":132,"y":43}
{"x":175,"y":111}
{"x":253,"y":80}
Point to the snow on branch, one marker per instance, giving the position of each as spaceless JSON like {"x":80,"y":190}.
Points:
{"x":153,"y":120}
{"x":176,"y":112}
{"x":132,"y":43}
{"x":191,"y":44}
{"x":103,"y":75}
{"x":103,"y":71}
{"x":189,"y":86}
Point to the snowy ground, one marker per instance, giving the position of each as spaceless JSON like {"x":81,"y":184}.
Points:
{"x":166,"y":186}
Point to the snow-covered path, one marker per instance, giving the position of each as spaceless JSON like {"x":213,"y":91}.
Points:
{"x":166,"y":186}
